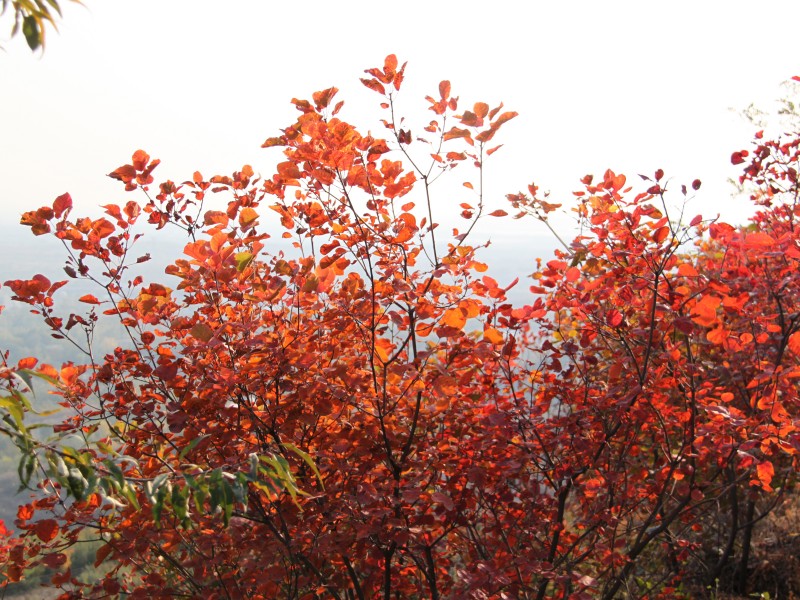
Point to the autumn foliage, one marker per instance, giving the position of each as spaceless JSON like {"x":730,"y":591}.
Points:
{"x":329,"y":397}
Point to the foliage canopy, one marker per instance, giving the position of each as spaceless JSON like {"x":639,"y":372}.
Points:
{"x":363,"y":413}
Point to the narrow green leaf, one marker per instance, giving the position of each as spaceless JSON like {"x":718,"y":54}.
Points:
{"x":307,"y":459}
{"x":191,"y":446}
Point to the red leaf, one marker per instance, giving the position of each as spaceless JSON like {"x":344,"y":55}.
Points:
{"x":572,"y":274}
{"x":55,"y":560}
{"x":705,"y":310}
{"x":89,"y":299}
{"x":102,"y":553}
{"x":25,"y":512}
{"x":125,"y":173}
{"x":737,"y":158}
{"x":498,"y":213}
{"x":614,"y":318}
{"x":46,"y":529}
{"x":62,"y":205}
{"x":443,"y":499}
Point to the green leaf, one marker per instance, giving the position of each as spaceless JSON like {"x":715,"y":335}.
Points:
{"x":55,"y":6}
{"x":31,"y":31}
{"x":164,"y":491}
{"x":242,"y":260}
{"x":307,"y":459}
{"x":180,"y":502}
{"x":15,"y":410}
{"x":130,"y":495}
{"x":28,"y":374}
{"x":115,"y":472}
{"x":25,"y":469}
{"x":191,"y":445}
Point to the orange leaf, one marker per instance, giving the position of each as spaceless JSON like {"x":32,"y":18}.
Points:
{"x":444,"y":89}
{"x":705,"y":311}
{"x":125,"y":173}
{"x":445,"y":385}
{"x":498,"y":213}
{"x":140,"y":160}
{"x":506,"y":116}
{"x":383,"y":349}
{"x":455,"y":132}
{"x":274,"y":141}
{"x":217,"y":217}
{"x":491,"y":335}
{"x":247,"y":217}
{"x":491,"y":151}
{"x":374,"y":85}
{"x":89,"y":299}
{"x":719,"y":335}
{"x":455,"y":317}
{"x":794,"y":342}
{"x":202,"y":332}
{"x":760,"y":239}
{"x":103,"y":228}
{"x":660,"y":234}
{"x":425,"y":329}
{"x":765,"y":472}
{"x":323,"y":98}
{"x":289,"y":169}
{"x":390,"y":63}
{"x":572,"y":274}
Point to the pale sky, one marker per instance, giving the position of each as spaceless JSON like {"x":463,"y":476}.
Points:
{"x":632,"y":86}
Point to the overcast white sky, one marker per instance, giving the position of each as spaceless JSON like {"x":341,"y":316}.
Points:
{"x":633,"y":86}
